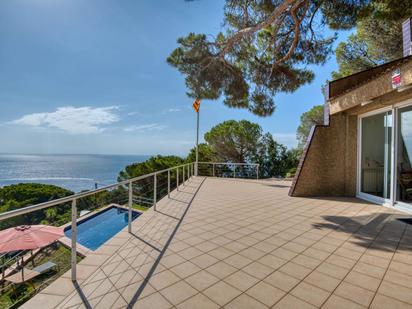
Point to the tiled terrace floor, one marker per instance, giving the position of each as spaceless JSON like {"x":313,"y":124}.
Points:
{"x":246,"y":244}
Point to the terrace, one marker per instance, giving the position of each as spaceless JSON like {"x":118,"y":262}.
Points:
{"x":236,"y":243}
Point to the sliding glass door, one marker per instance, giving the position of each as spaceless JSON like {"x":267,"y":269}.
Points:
{"x":404,"y":156}
{"x":375,"y":156}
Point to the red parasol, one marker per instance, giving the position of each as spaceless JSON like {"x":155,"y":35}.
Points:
{"x":28,"y":237}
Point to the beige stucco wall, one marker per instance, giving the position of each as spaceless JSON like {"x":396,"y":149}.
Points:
{"x":329,"y":168}
{"x":329,"y":164}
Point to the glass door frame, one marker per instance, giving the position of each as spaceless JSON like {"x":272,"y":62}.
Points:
{"x":359,"y":193}
{"x":391,"y":201}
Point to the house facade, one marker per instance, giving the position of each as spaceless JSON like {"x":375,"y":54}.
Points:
{"x":364,"y":149}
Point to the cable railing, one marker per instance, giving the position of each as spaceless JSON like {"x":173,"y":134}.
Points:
{"x":178,"y":174}
{"x":229,"y":170}
{"x":143,"y":190}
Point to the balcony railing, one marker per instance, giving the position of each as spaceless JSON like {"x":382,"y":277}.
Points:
{"x":229,"y":170}
{"x":146,"y":189}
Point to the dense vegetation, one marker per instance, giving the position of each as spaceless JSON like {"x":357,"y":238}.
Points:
{"x":230,"y":141}
{"x":270,"y":46}
{"x":26,"y":194}
{"x":244,"y":141}
{"x":143,"y":189}
{"x":377,"y":40}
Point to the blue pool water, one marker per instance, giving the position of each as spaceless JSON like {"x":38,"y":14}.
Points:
{"x":96,"y":230}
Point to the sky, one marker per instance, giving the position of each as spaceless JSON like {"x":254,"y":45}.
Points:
{"x":90,"y":77}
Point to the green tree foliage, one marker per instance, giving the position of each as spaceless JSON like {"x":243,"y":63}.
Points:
{"x":266,"y":47}
{"x":143,"y":189}
{"x":25,"y":194}
{"x":153,"y":164}
{"x":378,"y":38}
{"x":206,"y":154}
{"x":274,"y":158}
{"x":234,"y":141}
{"x":307,"y":120}
{"x":244,"y":142}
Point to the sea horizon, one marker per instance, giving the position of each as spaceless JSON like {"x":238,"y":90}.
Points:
{"x":75,"y":172}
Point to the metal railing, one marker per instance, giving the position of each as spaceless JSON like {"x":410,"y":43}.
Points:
{"x":229,"y":170}
{"x":185,"y":170}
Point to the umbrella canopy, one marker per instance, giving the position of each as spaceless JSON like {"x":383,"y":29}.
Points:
{"x":28,"y":237}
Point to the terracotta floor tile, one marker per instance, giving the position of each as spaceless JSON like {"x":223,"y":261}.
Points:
{"x":399,"y":278}
{"x":369,"y":270}
{"x":221,"y":270}
{"x":337,"y":302}
{"x":396,"y":291}
{"x":272,"y":261}
{"x":155,"y":300}
{"x":265,"y":293}
{"x":310,"y":294}
{"x":241,"y":280}
{"x":290,"y":301}
{"x":383,"y":302}
{"x":245,"y":302}
{"x":258,"y":270}
{"x":332,"y":270}
{"x":238,"y":261}
{"x":185,"y":269}
{"x":322,"y":281}
{"x":199,"y":301}
{"x":163,"y":279}
{"x":281,"y":281}
{"x":257,"y":230}
{"x":362,"y":280}
{"x":295,"y":270}
{"x":178,"y":292}
{"x":354,"y":293}
{"x":221,"y":293}
{"x":201,"y":280}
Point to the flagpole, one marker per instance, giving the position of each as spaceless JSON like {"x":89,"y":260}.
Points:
{"x":197,"y":144}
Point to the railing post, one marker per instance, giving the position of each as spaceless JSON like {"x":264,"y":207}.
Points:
{"x":130,"y":204}
{"x":154,"y":191}
{"x":183,"y":171}
{"x":177,"y":179}
{"x":257,"y":171}
{"x":234,"y":171}
{"x":168,"y":183}
{"x":213,"y":164}
{"x":74,"y":239}
{"x":193,"y":169}
{"x":188,"y":171}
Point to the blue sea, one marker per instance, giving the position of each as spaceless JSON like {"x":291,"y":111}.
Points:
{"x":73,"y":172}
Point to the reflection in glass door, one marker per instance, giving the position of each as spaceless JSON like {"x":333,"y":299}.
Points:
{"x":376,"y":140}
{"x":404,"y":156}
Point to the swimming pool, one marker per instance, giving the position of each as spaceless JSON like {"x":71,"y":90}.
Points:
{"x":95,"y":230}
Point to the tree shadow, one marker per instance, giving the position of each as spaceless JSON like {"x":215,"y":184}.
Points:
{"x":380,"y":231}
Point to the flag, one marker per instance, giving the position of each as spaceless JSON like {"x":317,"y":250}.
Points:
{"x":196,"y":105}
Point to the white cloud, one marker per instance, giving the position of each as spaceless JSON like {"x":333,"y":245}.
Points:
{"x":145,"y":127}
{"x":287,"y":139}
{"x":173,"y":110}
{"x":76,"y":120}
